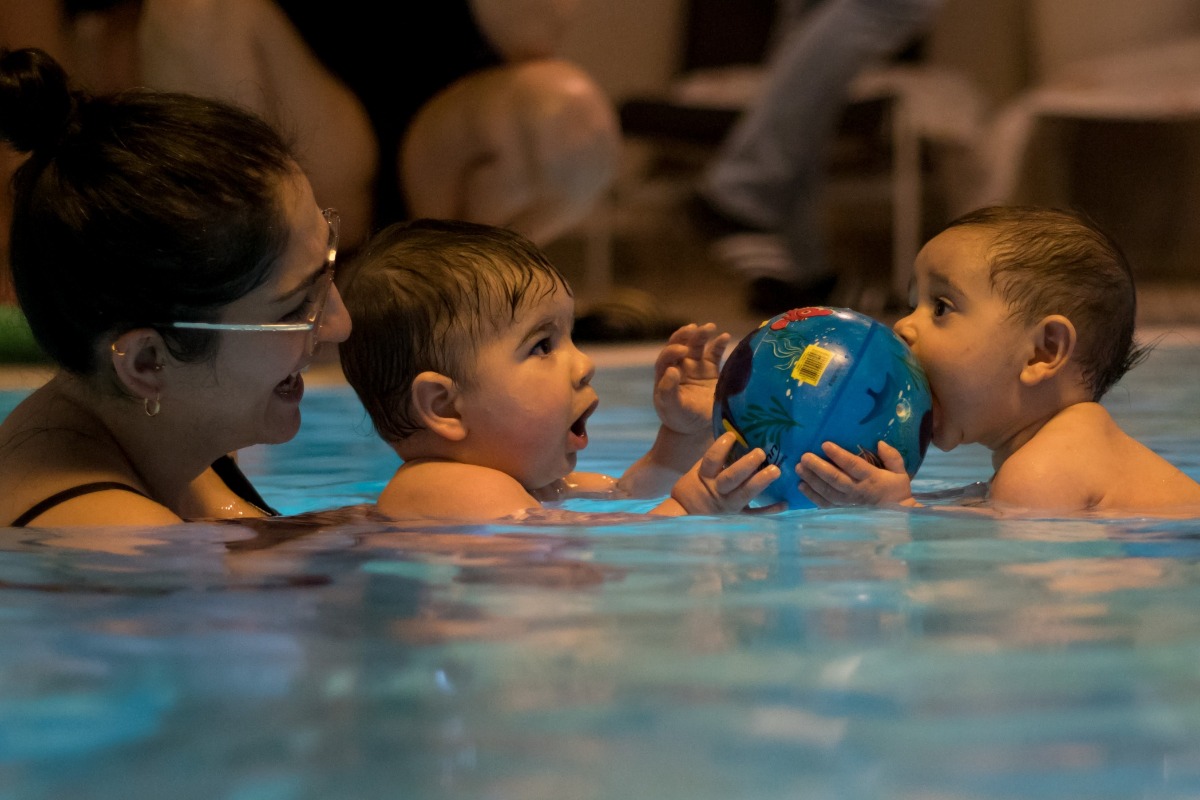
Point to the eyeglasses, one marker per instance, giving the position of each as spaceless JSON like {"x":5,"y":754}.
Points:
{"x":315,"y":299}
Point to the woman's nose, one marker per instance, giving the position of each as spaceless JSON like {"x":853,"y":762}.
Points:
{"x":335,"y":322}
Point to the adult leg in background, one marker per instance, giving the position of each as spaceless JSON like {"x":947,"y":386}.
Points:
{"x":770,"y":172}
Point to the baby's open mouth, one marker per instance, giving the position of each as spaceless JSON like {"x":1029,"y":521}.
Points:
{"x":579,"y":426}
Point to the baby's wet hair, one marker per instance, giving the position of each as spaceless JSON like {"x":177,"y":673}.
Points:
{"x":1053,"y":261}
{"x":425,"y":294}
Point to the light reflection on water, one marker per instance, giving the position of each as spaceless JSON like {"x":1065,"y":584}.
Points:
{"x":847,"y":654}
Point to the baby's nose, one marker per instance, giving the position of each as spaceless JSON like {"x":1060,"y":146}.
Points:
{"x":586,"y":368}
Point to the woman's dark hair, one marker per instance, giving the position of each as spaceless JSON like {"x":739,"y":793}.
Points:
{"x":134,"y":208}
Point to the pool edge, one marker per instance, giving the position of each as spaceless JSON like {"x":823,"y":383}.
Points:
{"x":606,"y":356}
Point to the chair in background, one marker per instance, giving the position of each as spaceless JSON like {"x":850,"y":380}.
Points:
{"x":896,"y":115}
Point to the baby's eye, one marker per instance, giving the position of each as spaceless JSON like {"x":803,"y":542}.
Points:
{"x":542,"y":347}
{"x":940,"y":307}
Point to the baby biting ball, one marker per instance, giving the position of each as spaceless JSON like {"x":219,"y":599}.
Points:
{"x":812,"y":375}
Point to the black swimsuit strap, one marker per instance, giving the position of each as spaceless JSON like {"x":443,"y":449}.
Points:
{"x":70,"y":494}
{"x":228,"y":471}
{"x":225,"y":467}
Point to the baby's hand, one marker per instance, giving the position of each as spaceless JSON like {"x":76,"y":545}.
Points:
{"x":851,"y":480}
{"x":685,"y":377}
{"x":709,"y":487}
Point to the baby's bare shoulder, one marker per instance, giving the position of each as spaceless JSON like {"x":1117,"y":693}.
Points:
{"x":1083,"y":460}
{"x":449,"y":490}
{"x":1065,"y":465}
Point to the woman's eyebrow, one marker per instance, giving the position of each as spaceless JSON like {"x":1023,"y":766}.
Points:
{"x":330,"y":254}
{"x":304,"y":286}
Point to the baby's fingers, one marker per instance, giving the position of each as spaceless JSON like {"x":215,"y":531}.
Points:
{"x":748,"y":467}
{"x":713,"y":460}
{"x":851,"y":464}
{"x":738,"y":496}
{"x":817,"y":499}
{"x":693,"y":334}
{"x":814,"y":469}
{"x":714,"y":351}
{"x":671,"y":355}
{"x":700,"y":340}
{"x":892,"y":459}
{"x":757,"y":484}
{"x":686,"y":342}
{"x":820,"y":478}
{"x":685,"y":333}
{"x":668,"y":381}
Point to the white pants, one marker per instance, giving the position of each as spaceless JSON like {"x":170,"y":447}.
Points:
{"x":770,"y":171}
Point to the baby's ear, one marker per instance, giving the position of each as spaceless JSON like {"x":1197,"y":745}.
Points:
{"x":1053,"y":345}
{"x":433,"y":399}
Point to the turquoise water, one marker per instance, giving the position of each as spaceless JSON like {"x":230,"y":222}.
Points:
{"x":816,"y":654}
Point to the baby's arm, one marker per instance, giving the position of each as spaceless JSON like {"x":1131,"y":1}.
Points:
{"x":594,"y":485}
{"x":685,"y":378}
{"x":849,"y":480}
{"x":710,"y":487}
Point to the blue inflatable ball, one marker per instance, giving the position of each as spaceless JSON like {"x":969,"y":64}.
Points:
{"x":812,"y":375}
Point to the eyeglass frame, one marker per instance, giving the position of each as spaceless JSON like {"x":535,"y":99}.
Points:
{"x":323,"y":285}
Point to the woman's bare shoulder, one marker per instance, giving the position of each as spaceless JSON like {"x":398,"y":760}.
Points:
{"x":44,"y":451}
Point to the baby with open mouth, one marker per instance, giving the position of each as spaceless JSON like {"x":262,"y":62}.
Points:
{"x":462,"y":355}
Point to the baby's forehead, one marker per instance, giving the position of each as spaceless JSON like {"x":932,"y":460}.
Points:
{"x":959,"y":250}
{"x":545,"y":289}
{"x":970,"y":236}
{"x":541,"y":295}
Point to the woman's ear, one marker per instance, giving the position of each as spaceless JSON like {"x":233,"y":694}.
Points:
{"x":1053,"y":345}
{"x":434,"y":399}
{"x":137,"y":358}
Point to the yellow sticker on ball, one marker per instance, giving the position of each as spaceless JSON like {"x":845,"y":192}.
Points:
{"x":811,"y":364}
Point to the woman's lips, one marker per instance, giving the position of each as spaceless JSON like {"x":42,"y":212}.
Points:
{"x":291,"y":388}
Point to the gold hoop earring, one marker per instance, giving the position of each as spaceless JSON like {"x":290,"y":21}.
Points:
{"x":113,"y":347}
{"x":152,"y":406}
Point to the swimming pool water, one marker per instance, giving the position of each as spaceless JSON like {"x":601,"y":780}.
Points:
{"x":815,"y":654}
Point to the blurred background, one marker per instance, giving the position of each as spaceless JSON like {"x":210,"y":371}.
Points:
{"x":1090,"y":104}
{"x":1093,"y":104}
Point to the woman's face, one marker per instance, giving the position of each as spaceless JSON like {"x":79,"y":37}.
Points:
{"x":250,"y":392}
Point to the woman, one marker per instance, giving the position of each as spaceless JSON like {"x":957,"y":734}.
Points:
{"x":170,"y":257}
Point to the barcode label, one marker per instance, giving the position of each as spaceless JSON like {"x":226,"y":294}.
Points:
{"x":811,"y":364}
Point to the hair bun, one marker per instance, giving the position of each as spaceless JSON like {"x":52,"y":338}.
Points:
{"x":36,"y":102}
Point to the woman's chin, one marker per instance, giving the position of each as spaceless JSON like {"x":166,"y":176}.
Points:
{"x":282,"y":423}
